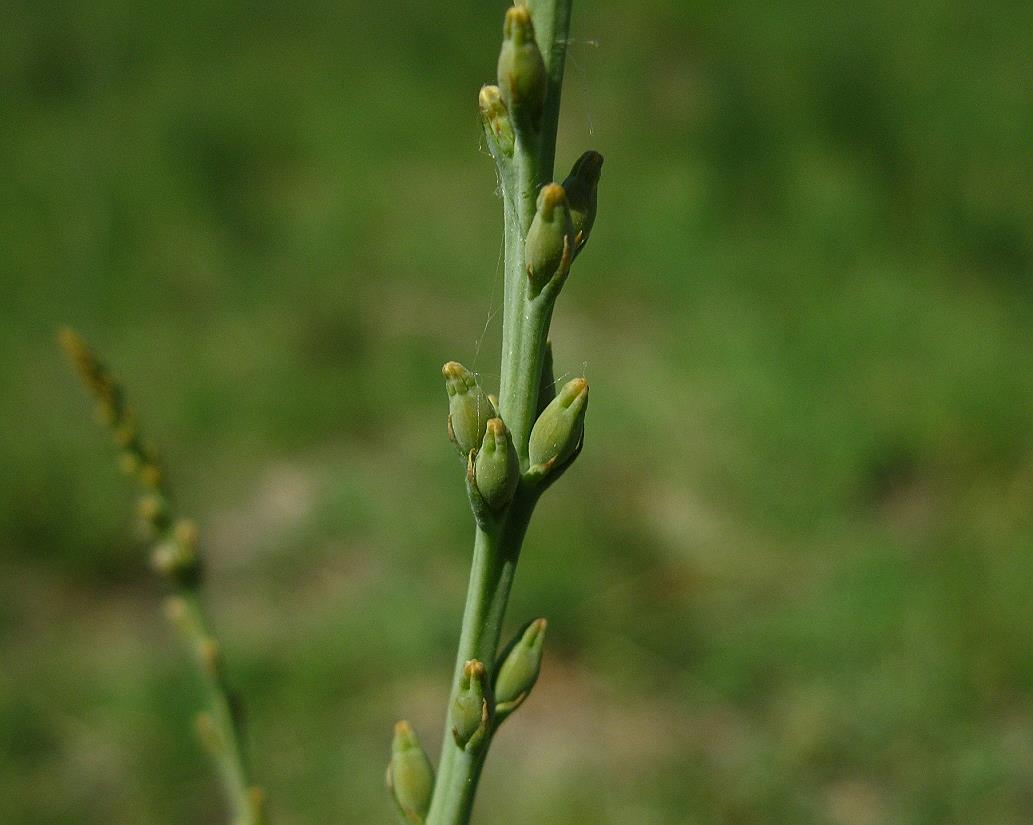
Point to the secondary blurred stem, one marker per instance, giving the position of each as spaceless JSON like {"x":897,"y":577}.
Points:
{"x":175,"y":558}
{"x":227,"y":751}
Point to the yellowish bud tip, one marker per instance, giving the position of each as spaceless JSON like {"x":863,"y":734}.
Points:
{"x":518,"y":26}
{"x":210,"y":655}
{"x":578,"y":385}
{"x":405,"y":737}
{"x":551,"y":196}
{"x":185,"y":532}
{"x":496,"y":429}
{"x":490,"y":100}
{"x":473,"y":669}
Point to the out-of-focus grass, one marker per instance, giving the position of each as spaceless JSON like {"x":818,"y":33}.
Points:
{"x":790,"y":579}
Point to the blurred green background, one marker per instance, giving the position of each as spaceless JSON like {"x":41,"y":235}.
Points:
{"x":790,"y":579}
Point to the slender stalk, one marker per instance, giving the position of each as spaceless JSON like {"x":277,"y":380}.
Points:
{"x":491,"y":577}
{"x":175,"y":558}
{"x":223,"y":737}
{"x":526,"y":322}
{"x":552,"y":29}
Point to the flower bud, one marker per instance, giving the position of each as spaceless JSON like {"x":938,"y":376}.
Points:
{"x":582,"y":186}
{"x":176,"y":558}
{"x":550,"y":239}
{"x":209,"y":655}
{"x":496,"y":120}
{"x":410,"y":778}
{"x":519,"y":669}
{"x":153,"y":509}
{"x":496,"y":467}
{"x":521,"y":70}
{"x":468,"y":407}
{"x":470,"y":713}
{"x":558,"y":430}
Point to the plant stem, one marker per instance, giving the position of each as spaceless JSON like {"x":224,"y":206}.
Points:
{"x":525,"y":330}
{"x":491,"y":576}
{"x":226,"y":748}
{"x":175,"y":559}
{"x":552,"y":31}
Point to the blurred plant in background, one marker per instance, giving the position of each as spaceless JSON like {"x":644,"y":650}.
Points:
{"x":812,"y":326}
{"x":513,"y":446}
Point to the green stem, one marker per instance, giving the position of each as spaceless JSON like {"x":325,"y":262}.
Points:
{"x":491,"y":577}
{"x":525,"y":329}
{"x":552,"y":31}
{"x":226,"y":750}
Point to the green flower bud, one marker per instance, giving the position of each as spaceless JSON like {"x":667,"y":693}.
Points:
{"x":177,"y":560}
{"x":550,"y":240}
{"x":582,"y":187}
{"x":496,"y":120}
{"x":470,"y":713}
{"x":468,"y":407}
{"x":519,"y":669}
{"x":560,"y":427}
{"x":496,"y":467}
{"x":410,"y":778}
{"x":153,"y":509}
{"x":521,"y":70}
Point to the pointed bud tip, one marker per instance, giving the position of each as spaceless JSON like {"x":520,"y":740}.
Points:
{"x":517,"y":25}
{"x":551,"y":196}
{"x":496,"y":428}
{"x":489,"y":98}
{"x":474,"y":669}
{"x":453,"y":369}
{"x":405,"y":737}
{"x":536,"y":630}
{"x":69,"y":339}
{"x":588,"y":167}
{"x":573,"y":389}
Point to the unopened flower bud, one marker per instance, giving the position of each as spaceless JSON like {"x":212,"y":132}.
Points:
{"x":519,"y":669}
{"x":153,"y":508}
{"x":550,"y":239}
{"x":496,"y":468}
{"x":177,"y":561}
{"x":151,"y":475}
{"x":582,"y":187}
{"x":468,"y":407}
{"x":410,"y":778}
{"x":470,"y":713}
{"x":558,"y":430}
{"x":209,"y":654}
{"x":496,"y":118}
{"x":521,"y":70}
